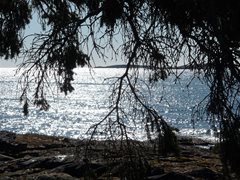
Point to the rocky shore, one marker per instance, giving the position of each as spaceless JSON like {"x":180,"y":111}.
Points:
{"x":41,"y":157}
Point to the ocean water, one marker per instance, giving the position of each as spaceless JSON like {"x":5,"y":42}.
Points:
{"x":72,"y":115}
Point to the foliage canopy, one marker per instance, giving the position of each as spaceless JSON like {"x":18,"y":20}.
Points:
{"x":154,"y":33}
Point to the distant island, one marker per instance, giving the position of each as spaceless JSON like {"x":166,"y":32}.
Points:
{"x":147,"y":67}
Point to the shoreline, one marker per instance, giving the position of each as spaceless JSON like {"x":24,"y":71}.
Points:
{"x":193,"y":135}
{"x":33,"y":156}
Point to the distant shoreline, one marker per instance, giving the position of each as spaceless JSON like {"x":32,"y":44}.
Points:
{"x":121,"y":66}
{"x":147,"y":67}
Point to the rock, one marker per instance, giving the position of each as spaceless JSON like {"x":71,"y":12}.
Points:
{"x":81,"y":169}
{"x":126,"y":168}
{"x":205,"y":173}
{"x":44,"y":162}
{"x":41,"y":158}
{"x":100,"y":170}
{"x":34,"y":162}
{"x":70,"y":168}
{"x":54,"y":145}
{"x":12,"y":148}
{"x":157,"y":171}
{"x":54,"y":176}
{"x":30,"y":153}
{"x":5,"y":158}
{"x":170,"y":176}
{"x":186,"y":142}
{"x":7,"y":136}
{"x":8,"y":145}
{"x":6,"y":178}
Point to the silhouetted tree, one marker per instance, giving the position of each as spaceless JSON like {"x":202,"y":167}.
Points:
{"x":155,"y":33}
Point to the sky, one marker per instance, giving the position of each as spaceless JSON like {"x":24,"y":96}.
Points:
{"x":35,"y":27}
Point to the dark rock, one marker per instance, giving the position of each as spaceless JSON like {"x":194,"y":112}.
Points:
{"x":157,"y":171}
{"x":43,"y":162}
{"x":5,"y":158}
{"x":30,"y":162}
{"x":170,"y":176}
{"x":100,"y":170}
{"x":81,"y":169}
{"x":31,"y":153}
{"x":12,"y":148}
{"x":70,"y":168}
{"x":185,"y":141}
{"x":51,"y":146}
{"x":7,"y":178}
{"x":205,"y":173}
{"x":53,"y":162}
{"x":7,"y":136}
{"x":126,"y":169}
{"x":8,"y":145}
{"x":54,"y":176}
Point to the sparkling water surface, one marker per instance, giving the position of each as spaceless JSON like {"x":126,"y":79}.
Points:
{"x":72,"y":115}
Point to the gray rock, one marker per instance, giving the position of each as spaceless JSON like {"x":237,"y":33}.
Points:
{"x":170,"y":176}
{"x":48,"y":162}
